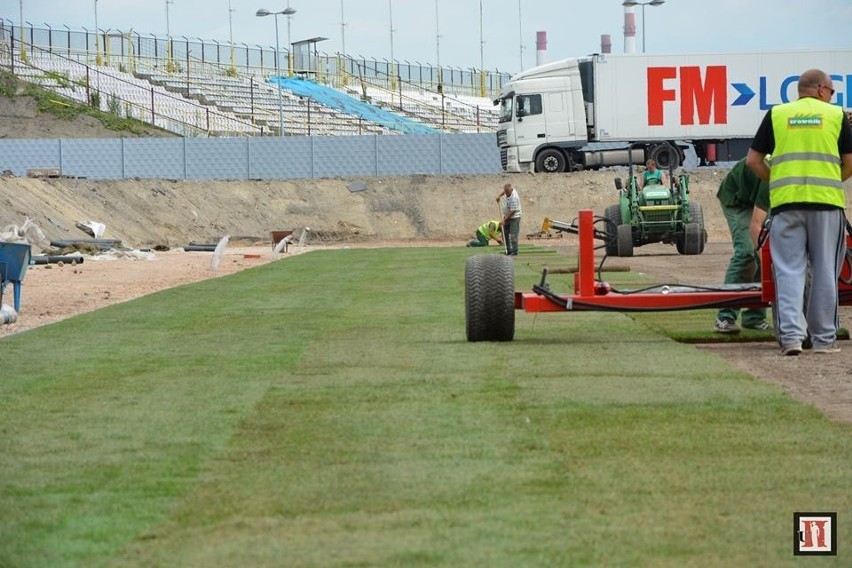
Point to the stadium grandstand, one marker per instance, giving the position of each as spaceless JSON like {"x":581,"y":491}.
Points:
{"x":209,"y":88}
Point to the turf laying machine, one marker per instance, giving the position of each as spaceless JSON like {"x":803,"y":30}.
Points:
{"x":491,"y":299}
{"x":655,"y":213}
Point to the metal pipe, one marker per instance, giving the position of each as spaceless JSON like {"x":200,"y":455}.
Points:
{"x":55,"y":259}
{"x":7,"y":314}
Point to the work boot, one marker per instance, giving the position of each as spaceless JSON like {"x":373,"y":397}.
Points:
{"x":726,"y":326}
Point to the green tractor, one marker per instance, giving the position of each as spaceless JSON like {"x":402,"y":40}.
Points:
{"x":654,"y":214}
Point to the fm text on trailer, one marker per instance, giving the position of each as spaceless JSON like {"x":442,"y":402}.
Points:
{"x":583,"y":113}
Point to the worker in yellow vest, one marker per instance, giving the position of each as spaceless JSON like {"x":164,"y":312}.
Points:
{"x":810,"y":140}
{"x":488,"y":231}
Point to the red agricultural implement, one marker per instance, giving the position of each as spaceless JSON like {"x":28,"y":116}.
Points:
{"x":491,"y":300}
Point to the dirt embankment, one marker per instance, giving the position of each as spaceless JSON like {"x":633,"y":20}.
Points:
{"x":406,"y":208}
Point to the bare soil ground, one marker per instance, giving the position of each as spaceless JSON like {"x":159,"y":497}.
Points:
{"x":403,"y":211}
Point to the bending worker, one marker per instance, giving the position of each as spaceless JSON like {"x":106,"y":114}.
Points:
{"x":744,"y":198}
{"x":485,"y":233}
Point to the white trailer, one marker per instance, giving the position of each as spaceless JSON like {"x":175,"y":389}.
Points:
{"x":584,"y":113}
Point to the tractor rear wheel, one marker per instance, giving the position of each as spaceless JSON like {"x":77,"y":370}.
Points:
{"x":693,"y":239}
{"x":613,"y":217}
{"x":625,"y":240}
{"x":489,"y":298}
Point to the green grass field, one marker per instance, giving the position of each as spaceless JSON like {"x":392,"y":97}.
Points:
{"x":327,"y":411}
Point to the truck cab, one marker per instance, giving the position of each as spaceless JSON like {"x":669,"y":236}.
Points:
{"x":542,"y":119}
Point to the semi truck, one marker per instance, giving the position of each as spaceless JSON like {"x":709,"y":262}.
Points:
{"x":616,"y":109}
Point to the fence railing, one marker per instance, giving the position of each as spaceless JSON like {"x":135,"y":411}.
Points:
{"x":169,"y":101}
{"x":101,"y":46}
{"x":112,"y":92}
{"x":138,"y":55}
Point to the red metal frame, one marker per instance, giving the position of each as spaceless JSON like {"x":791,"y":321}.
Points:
{"x":591,"y":294}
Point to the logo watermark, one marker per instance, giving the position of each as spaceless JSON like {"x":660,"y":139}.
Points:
{"x":815,"y":534}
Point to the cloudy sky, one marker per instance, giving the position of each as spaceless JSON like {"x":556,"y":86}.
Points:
{"x":448,"y":31}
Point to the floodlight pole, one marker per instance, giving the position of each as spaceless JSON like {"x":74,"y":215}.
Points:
{"x":287,"y":12}
{"x":231,"y":36}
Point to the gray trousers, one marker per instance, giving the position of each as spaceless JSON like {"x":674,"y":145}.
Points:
{"x":797,"y":237}
{"x":511,"y":234}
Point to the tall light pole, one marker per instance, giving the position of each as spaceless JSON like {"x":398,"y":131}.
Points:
{"x":344,"y":75}
{"x":287,"y":12}
{"x":23,"y":49}
{"x":521,"y":34}
{"x":169,"y":63}
{"x":438,"y":48}
{"x":392,"y":73}
{"x":168,"y":32}
{"x":233,"y":69}
{"x":342,"y":30}
{"x":98,"y":60}
{"x":631,"y":3}
{"x":481,"y":55}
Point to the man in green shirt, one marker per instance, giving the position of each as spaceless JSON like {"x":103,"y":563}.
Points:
{"x":743,"y":196}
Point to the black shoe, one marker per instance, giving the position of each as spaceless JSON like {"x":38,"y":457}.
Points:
{"x":792,"y":350}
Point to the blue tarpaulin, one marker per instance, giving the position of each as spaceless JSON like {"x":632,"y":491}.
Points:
{"x":334,"y":99}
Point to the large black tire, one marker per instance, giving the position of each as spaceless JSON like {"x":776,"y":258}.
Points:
{"x":665,"y":155}
{"x":489,"y":298}
{"x":693,"y":239}
{"x":696,"y":215}
{"x":550,"y":161}
{"x":613,"y":216}
{"x":625,"y":240}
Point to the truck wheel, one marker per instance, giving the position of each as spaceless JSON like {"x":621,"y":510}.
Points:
{"x":696,"y":215}
{"x":613,"y":217}
{"x":550,"y":161}
{"x":625,"y":240}
{"x":665,"y":155}
{"x":489,"y":298}
{"x":693,"y":239}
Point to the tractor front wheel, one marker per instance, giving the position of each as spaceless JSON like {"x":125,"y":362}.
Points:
{"x":489,"y":298}
{"x":613,"y":218}
{"x":692,"y":241}
{"x":625,"y":240}
{"x":696,"y":215}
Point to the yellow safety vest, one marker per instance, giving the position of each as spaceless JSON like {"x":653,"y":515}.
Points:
{"x":490,"y":230}
{"x":806,"y":161}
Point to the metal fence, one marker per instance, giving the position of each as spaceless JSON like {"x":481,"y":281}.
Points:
{"x":228,"y":101}
{"x":175,"y":53}
{"x":290,"y":157}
